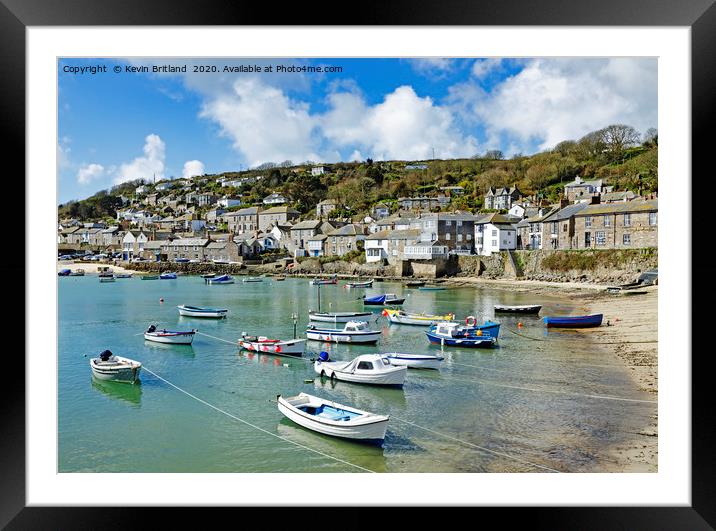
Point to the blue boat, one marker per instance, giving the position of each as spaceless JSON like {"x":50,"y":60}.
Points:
{"x":168,"y":276}
{"x":383,"y":300}
{"x":578,"y":321}
{"x":64,"y":273}
{"x":457,"y":335}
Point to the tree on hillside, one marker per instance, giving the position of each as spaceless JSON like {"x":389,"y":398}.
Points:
{"x":494,"y":154}
{"x":617,"y":138}
{"x":590,"y":146}
{"x":538,"y":175}
{"x":651,"y":137}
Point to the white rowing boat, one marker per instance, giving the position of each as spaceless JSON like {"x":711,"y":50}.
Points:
{"x":169,"y":336}
{"x":196,"y":311}
{"x":289,"y":347}
{"x":419,"y":319}
{"x":116,"y":368}
{"x":330,"y":418}
{"x":352,"y":332}
{"x":414,"y":361}
{"x":375,"y":369}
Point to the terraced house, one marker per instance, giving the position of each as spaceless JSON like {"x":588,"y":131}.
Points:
{"x":343,"y":239}
{"x":631,"y":224}
{"x":242,"y":221}
{"x":454,"y":230}
{"x":191,"y":248}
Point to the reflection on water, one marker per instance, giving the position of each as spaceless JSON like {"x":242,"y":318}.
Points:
{"x":131,"y":393}
{"x":531,"y":397}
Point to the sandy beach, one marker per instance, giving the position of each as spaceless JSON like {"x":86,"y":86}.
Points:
{"x":90,"y":268}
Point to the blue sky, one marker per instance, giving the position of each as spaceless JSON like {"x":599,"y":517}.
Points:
{"x":114,"y":127}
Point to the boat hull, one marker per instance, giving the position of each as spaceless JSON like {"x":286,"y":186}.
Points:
{"x":173,"y":338}
{"x":352,"y":285}
{"x":582,"y":321}
{"x":370,"y":429}
{"x":534,"y":308}
{"x":339,"y":317}
{"x":213,"y":314}
{"x":338,"y":336}
{"x":395,"y":376}
{"x":415,"y":319}
{"x":415,"y":361}
{"x":467,"y":342}
{"x":124,"y":373}
{"x":293,"y":347}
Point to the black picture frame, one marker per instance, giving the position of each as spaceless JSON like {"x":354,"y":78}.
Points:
{"x":699,"y":15}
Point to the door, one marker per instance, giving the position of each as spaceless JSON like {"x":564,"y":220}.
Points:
{"x":587,"y":239}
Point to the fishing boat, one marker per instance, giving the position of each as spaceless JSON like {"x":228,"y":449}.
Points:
{"x":223,"y":279}
{"x":525,"y":308}
{"x":169,"y":336}
{"x":123,"y":275}
{"x":64,"y":273}
{"x":339,"y":317}
{"x":414,"y":283}
{"x":167,"y":276}
{"x":330,"y":418}
{"x":383,"y":300}
{"x":578,"y":321}
{"x":279,"y":279}
{"x":288,"y":347}
{"x":106,"y":279}
{"x":415,"y":361}
{"x":110,"y":367}
{"x":457,"y":335}
{"x":253,"y":279}
{"x":196,"y":311}
{"x":431,"y":288}
{"x":352,"y":332}
{"x":78,"y":273}
{"x":374,"y":369}
{"x":323,"y":281}
{"x":366,"y":284}
{"x":149,"y":277}
{"x":419,"y":319}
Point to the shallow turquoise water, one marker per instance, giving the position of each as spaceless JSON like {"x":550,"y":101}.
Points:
{"x":525,"y":401}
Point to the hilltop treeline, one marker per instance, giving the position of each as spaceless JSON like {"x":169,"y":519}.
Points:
{"x":618,"y":154}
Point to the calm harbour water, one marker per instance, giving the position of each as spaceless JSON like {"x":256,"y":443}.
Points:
{"x":526,"y":399}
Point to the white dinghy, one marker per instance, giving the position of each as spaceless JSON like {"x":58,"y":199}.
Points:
{"x":288,"y":347}
{"x":414,"y":361}
{"x":169,"y":336}
{"x":196,"y":311}
{"x":353,"y":332}
{"x":110,"y":367}
{"x":333,"y":419}
{"x":375,"y":369}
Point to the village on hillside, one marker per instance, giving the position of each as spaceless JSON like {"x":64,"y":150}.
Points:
{"x":179,"y":221}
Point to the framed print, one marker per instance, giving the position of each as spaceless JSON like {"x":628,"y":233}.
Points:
{"x":263,"y":233}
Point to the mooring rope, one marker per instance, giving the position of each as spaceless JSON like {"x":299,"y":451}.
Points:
{"x":253,"y":425}
{"x":476,"y":446}
{"x":218,"y":338}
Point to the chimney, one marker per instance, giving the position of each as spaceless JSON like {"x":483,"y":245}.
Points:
{"x":563,"y":203}
{"x":595,"y":200}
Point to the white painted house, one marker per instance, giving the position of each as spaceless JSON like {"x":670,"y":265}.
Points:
{"x":318,"y":170}
{"x":377,"y":246}
{"x":495,"y":233}
{"x":227,"y":202}
{"x":133,"y":244}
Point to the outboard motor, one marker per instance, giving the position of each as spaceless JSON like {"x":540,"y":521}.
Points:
{"x":323,"y":356}
{"x":151,"y":328}
{"x":104,"y":356}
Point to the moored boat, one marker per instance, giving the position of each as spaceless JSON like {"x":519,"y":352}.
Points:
{"x":288,"y":347}
{"x":419,"y":319}
{"x":116,"y":368}
{"x":106,"y":278}
{"x":431,"y":288}
{"x":331,"y":418}
{"x":169,"y":336}
{"x":123,"y":275}
{"x":78,"y":273}
{"x":167,"y":276}
{"x":197,"y":311}
{"x":385,"y":299}
{"x":339,"y":317}
{"x":352,"y":332}
{"x":577,"y":321}
{"x":149,"y":277}
{"x":253,"y":279}
{"x":415,"y":361}
{"x":223,"y":279}
{"x":414,"y":283}
{"x":524,"y":308}
{"x":279,"y":279}
{"x":64,"y":273}
{"x":366,"y":284}
{"x":457,"y":335}
{"x":374,"y":369}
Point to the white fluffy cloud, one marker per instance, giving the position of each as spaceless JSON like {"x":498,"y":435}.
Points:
{"x":264,"y":124}
{"x":403,"y":126}
{"x":89,"y":173}
{"x":483,"y":67}
{"x":146,"y":167}
{"x":193,"y":168}
{"x":551,"y":100}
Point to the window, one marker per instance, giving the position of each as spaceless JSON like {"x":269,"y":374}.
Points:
{"x":600,"y":238}
{"x":447,"y":236}
{"x":627,"y":220}
{"x":626,"y":239}
{"x":652,"y":218}
{"x":459,"y":237}
{"x":588,"y":222}
{"x":607,"y":221}
{"x":494,"y":232}
{"x":458,"y":223}
{"x":554,"y":227}
{"x":494,"y":243}
{"x":565,"y":227}
{"x":469,"y":237}
{"x":448,"y":223}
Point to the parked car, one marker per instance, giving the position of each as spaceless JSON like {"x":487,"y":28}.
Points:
{"x":648,"y":278}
